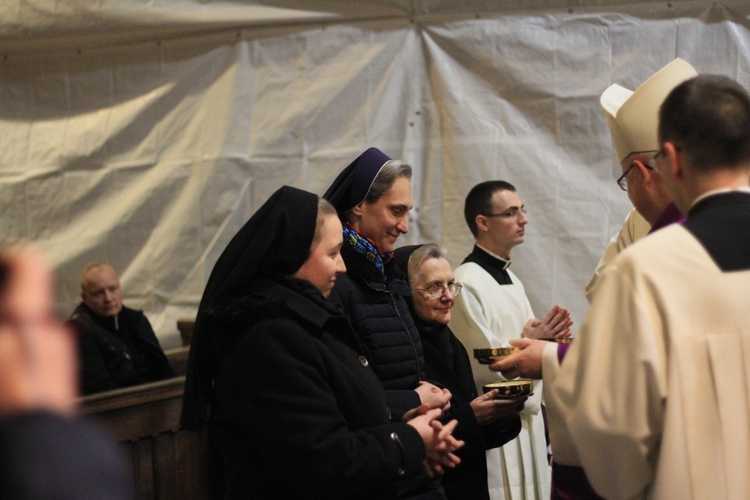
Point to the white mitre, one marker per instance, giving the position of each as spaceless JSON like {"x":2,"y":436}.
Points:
{"x":633,"y":117}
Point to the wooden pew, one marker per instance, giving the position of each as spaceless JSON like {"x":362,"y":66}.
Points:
{"x":185,"y":327}
{"x":178,"y":358}
{"x":166,"y":462}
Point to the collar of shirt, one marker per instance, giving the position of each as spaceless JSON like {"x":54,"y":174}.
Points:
{"x":506,"y":262}
{"x":718,"y":191}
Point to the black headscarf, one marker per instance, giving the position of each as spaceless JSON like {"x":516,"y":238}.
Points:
{"x":401,"y":258}
{"x":354,"y":182}
{"x":275,"y":241}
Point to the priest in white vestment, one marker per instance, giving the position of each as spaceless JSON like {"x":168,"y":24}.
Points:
{"x":493,"y":309}
{"x":655,"y":392}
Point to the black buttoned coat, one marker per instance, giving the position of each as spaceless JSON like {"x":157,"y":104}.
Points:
{"x":453,"y":371}
{"x":297,"y":411}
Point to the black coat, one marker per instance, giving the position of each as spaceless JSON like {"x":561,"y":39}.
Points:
{"x":448,"y":366}
{"x":384,"y":326}
{"x":112,"y":358}
{"x":46,"y":456}
{"x":297,"y":411}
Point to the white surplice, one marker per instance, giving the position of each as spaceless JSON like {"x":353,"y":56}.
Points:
{"x":488,"y":314}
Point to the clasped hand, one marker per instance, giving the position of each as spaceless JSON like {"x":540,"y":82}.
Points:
{"x":438,"y":439}
{"x":433,"y":395}
{"x":556,"y":324}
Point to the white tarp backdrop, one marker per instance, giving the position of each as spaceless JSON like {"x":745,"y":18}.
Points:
{"x":145,"y":133}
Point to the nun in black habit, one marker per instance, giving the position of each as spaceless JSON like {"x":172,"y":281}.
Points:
{"x":277,"y":374}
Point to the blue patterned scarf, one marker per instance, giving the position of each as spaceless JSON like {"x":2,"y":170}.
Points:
{"x":365,"y":246}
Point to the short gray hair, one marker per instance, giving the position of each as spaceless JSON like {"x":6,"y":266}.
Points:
{"x":91,"y":266}
{"x":420,"y":255}
{"x":388,"y":174}
{"x":390,"y":171}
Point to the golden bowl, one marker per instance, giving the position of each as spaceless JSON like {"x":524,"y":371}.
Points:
{"x":487,"y":355}
{"x":511,"y":388}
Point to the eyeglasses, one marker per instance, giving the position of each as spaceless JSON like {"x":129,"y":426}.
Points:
{"x":511,"y":213}
{"x":653,"y":162}
{"x":622,"y":181}
{"x":438,"y":289}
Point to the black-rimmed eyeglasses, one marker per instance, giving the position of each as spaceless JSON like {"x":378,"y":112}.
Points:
{"x":622,"y":181}
{"x":511,"y":213}
{"x":438,"y":289}
{"x":654,"y":159}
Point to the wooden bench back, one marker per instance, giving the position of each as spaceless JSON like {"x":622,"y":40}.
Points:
{"x":166,"y":462}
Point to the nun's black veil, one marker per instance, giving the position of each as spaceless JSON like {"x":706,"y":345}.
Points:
{"x":275,"y":241}
{"x":401,"y":258}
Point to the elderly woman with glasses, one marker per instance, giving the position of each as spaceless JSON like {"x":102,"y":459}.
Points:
{"x":484,"y":421}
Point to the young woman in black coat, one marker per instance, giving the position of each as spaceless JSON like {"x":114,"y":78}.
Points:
{"x":484,"y":422}
{"x":295,"y":409}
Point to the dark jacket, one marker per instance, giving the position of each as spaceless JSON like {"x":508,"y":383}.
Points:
{"x":448,"y":365}
{"x":46,"y":456}
{"x":384,"y":326}
{"x":111,"y":358}
{"x":297,"y":411}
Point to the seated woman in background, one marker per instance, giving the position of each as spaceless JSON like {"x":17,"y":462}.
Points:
{"x":295,"y":409}
{"x":484,"y":422}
